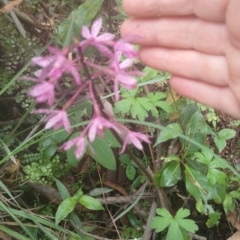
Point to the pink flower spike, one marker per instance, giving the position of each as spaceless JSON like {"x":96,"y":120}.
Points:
{"x":100,"y":41}
{"x":43,"y":92}
{"x":79,"y":142}
{"x":54,"y":66}
{"x":56,"y":119}
{"x":125,"y":48}
{"x":135,"y":138}
{"x":98,"y":125}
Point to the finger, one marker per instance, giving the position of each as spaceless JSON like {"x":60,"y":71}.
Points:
{"x":188,"y":64}
{"x":188,"y":33}
{"x":220,"y":98}
{"x":213,"y":10}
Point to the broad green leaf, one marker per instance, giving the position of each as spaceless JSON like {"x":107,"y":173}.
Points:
{"x":64,"y":209}
{"x":171,"y":131}
{"x":91,"y":203}
{"x":46,"y":141}
{"x":49,"y":151}
{"x":226,"y":133}
{"x":235,"y":194}
{"x":78,"y":195}
{"x":110,"y":139}
{"x":102,"y":153}
{"x":169,"y":175}
{"x":213,"y":219}
{"x":220,"y":143}
{"x":131,"y":172}
{"x":62,"y":189}
{"x":60,"y":135}
{"x":82,"y":17}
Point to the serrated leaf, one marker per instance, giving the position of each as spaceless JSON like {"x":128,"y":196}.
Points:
{"x":169,"y":175}
{"x":174,"y":232}
{"x":213,"y":219}
{"x":171,"y":131}
{"x":91,"y":203}
{"x":159,"y":223}
{"x":64,"y":209}
{"x":123,"y":106}
{"x":102,"y":153}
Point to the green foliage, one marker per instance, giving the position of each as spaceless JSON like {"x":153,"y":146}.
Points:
{"x":139,"y":107}
{"x":101,"y":152}
{"x":44,"y":170}
{"x":131,"y":232}
{"x":222,"y":136}
{"x":76,"y":19}
{"x":130,"y":166}
{"x":67,"y":206}
{"x":178,"y":226}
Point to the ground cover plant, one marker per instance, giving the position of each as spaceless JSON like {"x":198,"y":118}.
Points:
{"x":94,"y":145}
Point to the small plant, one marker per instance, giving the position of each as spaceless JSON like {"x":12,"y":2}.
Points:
{"x":177,"y":225}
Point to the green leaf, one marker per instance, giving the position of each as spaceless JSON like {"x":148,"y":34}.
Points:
{"x":149,"y":73}
{"x":81,"y":17}
{"x":60,"y":135}
{"x":169,"y":175}
{"x":186,"y":224}
{"x":226,"y":134}
{"x":213,"y":219}
{"x":125,"y":159}
{"x":91,"y":203}
{"x":131,"y":172}
{"x":110,"y":139}
{"x":220,"y":143}
{"x":177,"y":225}
{"x":62,"y":189}
{"x":123,"y":106}
{"x":49,"y":151}
{"x":228,"y":204}
{"x":171,"y":131}
{"x":174,"y":232}
{"x":102,"y":153}
{"x":64,"y":209}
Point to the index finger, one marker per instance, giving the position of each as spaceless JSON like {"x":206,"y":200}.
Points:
{"x":213,"y":10}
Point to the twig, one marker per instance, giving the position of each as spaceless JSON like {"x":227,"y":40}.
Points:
{"x":196,"y":237}
{"x":148,"y":231}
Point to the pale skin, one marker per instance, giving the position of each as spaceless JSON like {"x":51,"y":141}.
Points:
{"x":198,"y":41}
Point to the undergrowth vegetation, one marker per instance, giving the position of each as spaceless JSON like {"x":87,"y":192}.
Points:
{"x":107,"y":150}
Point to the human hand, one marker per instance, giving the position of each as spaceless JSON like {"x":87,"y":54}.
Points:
{"x":198,"y":41}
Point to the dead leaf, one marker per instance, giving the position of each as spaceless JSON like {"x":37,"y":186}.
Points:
{"x":232,"y":217}
{"x":13,"y":168}
{"x":235,"y":236}
{"x":116,"y":187}
{"x":9,"y":7}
